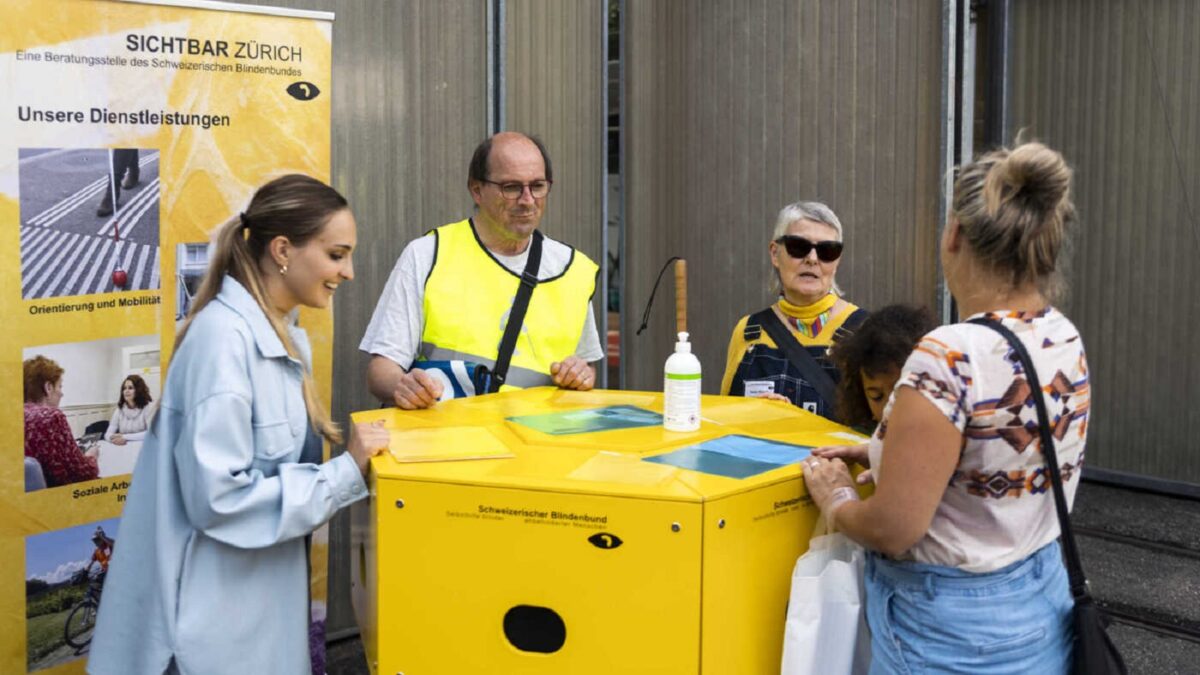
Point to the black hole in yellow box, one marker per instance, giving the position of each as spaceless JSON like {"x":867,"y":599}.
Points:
{"x":535,"y":629}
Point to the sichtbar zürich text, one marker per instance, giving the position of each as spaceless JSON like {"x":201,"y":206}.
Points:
{"x":251,"y":50}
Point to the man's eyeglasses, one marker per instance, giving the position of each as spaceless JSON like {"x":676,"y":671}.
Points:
{"x":799,"y":247}
{"x":538,"y":189}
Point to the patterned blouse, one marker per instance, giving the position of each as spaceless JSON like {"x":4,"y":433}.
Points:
{"x":49,"y":440}
{"x":998,"y":507}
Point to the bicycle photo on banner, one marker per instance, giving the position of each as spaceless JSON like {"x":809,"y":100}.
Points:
{"x":131,"y":131}
{"x":63,"y":584}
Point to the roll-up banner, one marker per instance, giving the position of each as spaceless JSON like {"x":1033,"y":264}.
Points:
{"x":129,"y":131}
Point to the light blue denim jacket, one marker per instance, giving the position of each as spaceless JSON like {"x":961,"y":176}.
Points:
{"x":210,"y":563}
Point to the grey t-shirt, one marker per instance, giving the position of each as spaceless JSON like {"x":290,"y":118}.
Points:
{"x":396,"y":326}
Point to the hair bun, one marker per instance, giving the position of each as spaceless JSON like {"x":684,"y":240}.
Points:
{"x":1031,"y":173}
{"x":1015,"y":210}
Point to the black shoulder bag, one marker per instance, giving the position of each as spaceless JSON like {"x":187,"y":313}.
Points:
{"x":1094,"y":652}
{"x":487,"y":380}
{"x":810,"y":370}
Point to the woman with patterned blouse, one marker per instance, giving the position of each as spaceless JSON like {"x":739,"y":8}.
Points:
{"x":48,"y":437}
{"x":964,"y":572}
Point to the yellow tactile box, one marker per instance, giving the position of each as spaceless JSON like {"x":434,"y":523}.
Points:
{"x":491,"y":546}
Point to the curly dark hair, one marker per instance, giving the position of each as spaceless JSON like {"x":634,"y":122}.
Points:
{"x":141,"y":392}
{"x":881,"y":344}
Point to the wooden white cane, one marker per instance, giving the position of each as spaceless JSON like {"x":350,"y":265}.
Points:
{"x":681,"y":296}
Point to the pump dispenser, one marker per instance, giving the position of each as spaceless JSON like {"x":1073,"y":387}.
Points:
{"x":681,"y":388}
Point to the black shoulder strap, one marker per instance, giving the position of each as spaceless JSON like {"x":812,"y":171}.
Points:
{"x":1070,"y":551}
{"x":810,"y":370}
{"x":851,"y":324}
{"x":856,"y":318}
{"x":529,"y":279}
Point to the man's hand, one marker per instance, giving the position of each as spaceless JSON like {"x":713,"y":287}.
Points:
{"x":416,"y":390}
{"x":573,"y":373}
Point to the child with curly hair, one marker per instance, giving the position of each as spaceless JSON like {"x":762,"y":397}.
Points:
{"x":870,"y":360}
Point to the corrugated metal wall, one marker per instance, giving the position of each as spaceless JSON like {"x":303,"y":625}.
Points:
{"x":737,"y":109}
{"x":1114,"y":85}
{"x":554,"y":74}
{"x":554,"y":88}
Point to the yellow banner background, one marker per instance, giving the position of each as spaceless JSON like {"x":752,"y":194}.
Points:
{"x":205,"y":177}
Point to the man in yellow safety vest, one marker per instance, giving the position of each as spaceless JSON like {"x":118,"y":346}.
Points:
{"x":450,"y":294}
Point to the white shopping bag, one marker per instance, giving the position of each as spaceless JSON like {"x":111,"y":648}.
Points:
{"x":826,"y":632}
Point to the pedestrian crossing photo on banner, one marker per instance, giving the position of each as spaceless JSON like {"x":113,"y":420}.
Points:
{"x":89,"y":219}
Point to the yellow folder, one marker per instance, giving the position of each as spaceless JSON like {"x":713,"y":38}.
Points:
{"x":445,"y":444}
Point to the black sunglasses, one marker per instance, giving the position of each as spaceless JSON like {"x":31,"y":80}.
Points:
{"x":799,"y":247}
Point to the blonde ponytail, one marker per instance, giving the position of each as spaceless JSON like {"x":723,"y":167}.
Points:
{"x":293,"y":206}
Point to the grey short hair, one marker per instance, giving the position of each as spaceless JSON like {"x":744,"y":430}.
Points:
{"x":814,"y":211}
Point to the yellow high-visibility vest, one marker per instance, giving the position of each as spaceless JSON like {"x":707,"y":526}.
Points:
{"x":469,"y":294}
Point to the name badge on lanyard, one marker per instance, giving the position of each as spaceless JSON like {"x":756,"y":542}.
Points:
{"x":759,"y":387}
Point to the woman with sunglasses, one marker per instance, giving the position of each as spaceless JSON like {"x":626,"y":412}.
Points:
{"x":807,"y":318}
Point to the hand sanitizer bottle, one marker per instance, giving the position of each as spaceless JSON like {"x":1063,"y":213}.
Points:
{"x":681,"y":388}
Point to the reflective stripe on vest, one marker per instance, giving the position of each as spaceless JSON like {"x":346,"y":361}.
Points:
{"x":468,"y":296}
{"x":521,"y":378}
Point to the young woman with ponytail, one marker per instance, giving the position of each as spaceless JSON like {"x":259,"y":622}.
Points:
{"x":964,"y":572}
{"x":211,"y":573}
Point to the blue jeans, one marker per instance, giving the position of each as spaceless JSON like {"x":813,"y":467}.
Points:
{"x":933,"y":619}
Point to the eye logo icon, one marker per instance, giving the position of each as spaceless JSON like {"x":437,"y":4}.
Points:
{"x":605,"y":540}
{"x":303,"y":91}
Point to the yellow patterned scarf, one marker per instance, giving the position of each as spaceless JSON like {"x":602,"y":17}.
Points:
{"x":808,"y":320}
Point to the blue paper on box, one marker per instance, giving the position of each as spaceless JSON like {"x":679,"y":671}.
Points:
{"x":734,"y":456}
{"x":589,"y":420}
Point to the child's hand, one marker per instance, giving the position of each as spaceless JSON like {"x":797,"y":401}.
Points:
{"x":849,"y":453}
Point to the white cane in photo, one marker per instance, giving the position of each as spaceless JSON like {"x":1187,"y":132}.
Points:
{"x":119,"y":276}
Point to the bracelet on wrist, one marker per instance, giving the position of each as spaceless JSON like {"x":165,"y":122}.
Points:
{"x":838,"y":498}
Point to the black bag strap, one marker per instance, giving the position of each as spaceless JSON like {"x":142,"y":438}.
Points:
{"x":852,"y":322}
{"x":810,"y":370}
{"x":516,"y":317}
{"x":1070,"y":551}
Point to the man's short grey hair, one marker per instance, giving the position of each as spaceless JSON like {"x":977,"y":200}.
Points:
{"x":814,"y":211}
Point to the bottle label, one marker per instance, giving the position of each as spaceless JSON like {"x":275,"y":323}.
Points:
{"x":681,"y":402}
